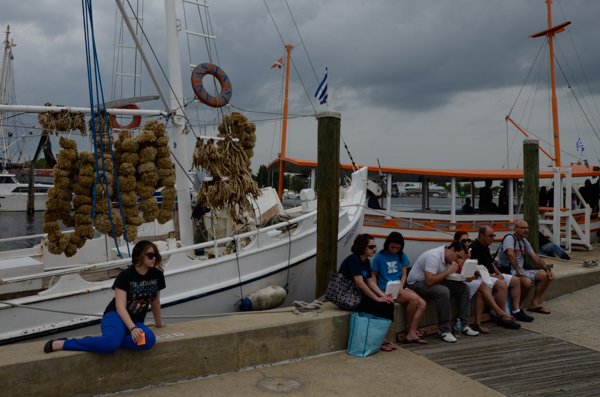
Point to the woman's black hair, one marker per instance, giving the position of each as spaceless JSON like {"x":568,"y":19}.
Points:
{"x":458,"y":234}
{"x":360,"y":244}
{"x":395,"y":238}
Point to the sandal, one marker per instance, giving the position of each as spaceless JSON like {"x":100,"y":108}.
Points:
{"x":421,"y":334}
{"x":480,"y":328}
{"x":386,"y":347}
{"x":385,"y":342}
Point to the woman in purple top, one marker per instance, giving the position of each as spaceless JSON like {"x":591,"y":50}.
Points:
{"x":387,"y":266}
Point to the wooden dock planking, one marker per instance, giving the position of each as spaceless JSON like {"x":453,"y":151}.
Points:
{"x":519,"y":363}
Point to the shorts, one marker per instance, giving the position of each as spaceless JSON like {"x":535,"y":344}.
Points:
{"x":529,"y":273}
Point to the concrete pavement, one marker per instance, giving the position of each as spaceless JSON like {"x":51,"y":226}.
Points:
{"x":574,"y":318}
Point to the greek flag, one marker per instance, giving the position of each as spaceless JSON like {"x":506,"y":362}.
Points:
{"x":580,"y":145}
{"x":322,"y":90}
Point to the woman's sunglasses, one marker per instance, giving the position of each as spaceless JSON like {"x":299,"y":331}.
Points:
{"x":371,"y":247}
{"x":465,"y":240}
{"x":150,"y":255}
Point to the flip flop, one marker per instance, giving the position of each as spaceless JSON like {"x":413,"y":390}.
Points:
{"x":422,"y":334}
{"x":480,"y":328}
{"x":539,"y":309}
{"x":415,"y":342}
{"x":386,"y":347}
{"x":394,"y":347}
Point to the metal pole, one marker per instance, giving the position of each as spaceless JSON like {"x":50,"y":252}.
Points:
{"x":453,"y":200}
{"x":143,"y":54}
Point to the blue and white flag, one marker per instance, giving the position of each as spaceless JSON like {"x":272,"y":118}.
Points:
{"x":322,"y":90}
{"x":580,"y":145}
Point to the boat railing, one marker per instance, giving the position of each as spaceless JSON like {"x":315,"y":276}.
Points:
{"x":167,"y":253}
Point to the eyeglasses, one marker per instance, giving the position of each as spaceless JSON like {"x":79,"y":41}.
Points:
{"x":150,"y":255}
{"x":371,"y":247}
{"x":465,"y":241}
{"x":491,"y":235}
{"x":522,"y":227}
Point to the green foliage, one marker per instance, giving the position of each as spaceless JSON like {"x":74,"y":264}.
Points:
{"x":42,"y":164}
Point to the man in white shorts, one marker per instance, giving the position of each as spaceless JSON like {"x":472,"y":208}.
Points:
{"x":428,"y":279}
{"x":512,"y":254}
{"x":480,"y":250}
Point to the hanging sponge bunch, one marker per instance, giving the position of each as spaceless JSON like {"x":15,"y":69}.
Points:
{"x":58,"y":205}
{"x":237,"y":126}
{"x":105,"y":220}
{"x":240,"y":180}
{"x":127,"y":182}
{"x":83,"y":201}
{"x":208,"y":157}
{"x":62,"y":121}
{"x":147,"y":177}
{"x":214,"y":194}
{"x":166,"y":172}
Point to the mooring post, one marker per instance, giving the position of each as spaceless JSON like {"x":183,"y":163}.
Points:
{"x":531,"y":198}
{"x":328,"y":185}
{"x":30,"y":190}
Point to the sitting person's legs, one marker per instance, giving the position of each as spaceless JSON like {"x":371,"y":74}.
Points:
{"x":415,"y":307}
{"x":441,"y":294}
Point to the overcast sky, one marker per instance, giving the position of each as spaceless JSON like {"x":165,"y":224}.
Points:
{"x":418,"y":84}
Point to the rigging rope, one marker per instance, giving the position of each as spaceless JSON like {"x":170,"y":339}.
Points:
{"x":88,"y":24}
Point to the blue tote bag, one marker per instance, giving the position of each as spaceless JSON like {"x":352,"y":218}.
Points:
{"x":367,"y":332}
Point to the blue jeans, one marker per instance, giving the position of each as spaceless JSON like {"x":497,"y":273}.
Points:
{"x":549,"y":249}
{"x":115,"y":335}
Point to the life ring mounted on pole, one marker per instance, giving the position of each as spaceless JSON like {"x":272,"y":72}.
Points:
{"x":135,"y":123}
{"x":213,"y":101}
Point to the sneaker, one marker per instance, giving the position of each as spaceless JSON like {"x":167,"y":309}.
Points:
{"x":448,"y":337}
{"x":469,"y":332}
{"x":522,"y":316}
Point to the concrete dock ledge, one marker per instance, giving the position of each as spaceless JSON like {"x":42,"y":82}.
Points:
{"x":206,"y":347}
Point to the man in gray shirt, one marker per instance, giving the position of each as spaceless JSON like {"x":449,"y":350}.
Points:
{"x":428,"y":279}
{"x":512,"y":254}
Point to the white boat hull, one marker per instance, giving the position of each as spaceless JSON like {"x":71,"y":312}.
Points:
{"x":194,"y":286}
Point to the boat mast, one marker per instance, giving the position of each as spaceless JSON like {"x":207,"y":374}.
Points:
{"x":184,"y":205}
{"x":4,"y":80}
{"x":550,"y":32}
{"x":289,"y":49}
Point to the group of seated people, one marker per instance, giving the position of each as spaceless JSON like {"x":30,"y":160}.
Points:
{"x":428,"y":279}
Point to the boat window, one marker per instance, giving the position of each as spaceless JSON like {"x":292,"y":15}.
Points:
{"x":41,"y":190}
{"x":6,"y":179}
{"x":20,"y":189}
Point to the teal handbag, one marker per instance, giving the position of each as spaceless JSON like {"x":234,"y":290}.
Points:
{"x":367,"y":333}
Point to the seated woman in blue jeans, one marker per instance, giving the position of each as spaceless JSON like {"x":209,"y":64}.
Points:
{"x":136,"y":288}
{"x":357,"y":267}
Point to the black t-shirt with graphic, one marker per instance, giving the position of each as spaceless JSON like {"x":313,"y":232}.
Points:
{"x":141,"y":291}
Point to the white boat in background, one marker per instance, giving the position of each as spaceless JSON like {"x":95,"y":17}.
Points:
{"x":424,"y":228}
{"x":13,"y":194}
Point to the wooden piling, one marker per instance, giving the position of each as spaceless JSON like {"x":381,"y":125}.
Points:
{"x":328,"y":161}
{"x":531,"y":198}
{"x":30,"y":190}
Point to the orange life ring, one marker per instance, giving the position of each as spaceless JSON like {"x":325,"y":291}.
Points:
{"x":213,"y":101}
{"x":135,"y":123}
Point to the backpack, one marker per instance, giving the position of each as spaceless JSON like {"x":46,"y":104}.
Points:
{"x":505,"y":269}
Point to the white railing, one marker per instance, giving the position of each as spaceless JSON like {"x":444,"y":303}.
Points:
{"x":120,"y":262}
